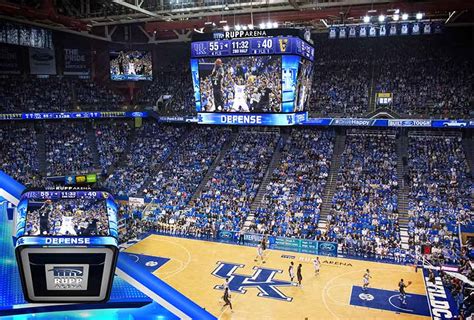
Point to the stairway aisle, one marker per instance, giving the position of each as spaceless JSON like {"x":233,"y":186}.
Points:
{"x":123,"y":157}
{"x":403,"y":188}
{"x":330,"y":188}
{"x":213,"y":167}
{"x":274,"y":162}
{"x":164,"y":160}
{"x":93,"y":144}
{"x":468,"y":146}
{"x":40,"y":139}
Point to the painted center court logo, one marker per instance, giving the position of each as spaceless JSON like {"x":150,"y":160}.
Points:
{"x":262,"y":279}
{"x":366,"y":296}
{"x":66,"y":277}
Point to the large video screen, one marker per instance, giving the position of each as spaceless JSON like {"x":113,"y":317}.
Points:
{"x":240,"y":84}
{"x":67,"y":213}
{"x":131,"y":66}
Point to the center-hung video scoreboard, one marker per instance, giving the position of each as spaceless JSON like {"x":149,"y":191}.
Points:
{"x":66,"y":244}
{"x":252,"y":77}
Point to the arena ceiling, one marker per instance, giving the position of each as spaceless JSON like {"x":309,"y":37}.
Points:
{"x":176,"y":20}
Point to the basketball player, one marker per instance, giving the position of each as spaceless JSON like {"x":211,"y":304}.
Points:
{"x":216,"y":80}
{"x":299,"y":275}
{"x":67,"y":226}
{"x":131,"y":66}
{"x":316,"y":265}
{"x":240,"y":99}
{"x":264,"y":243}
{"x":226,"y":283}
{"x":227,"y":299}
{"x":264,"y":104}
{"x":92,"y":227}
{"x":402,"y":294}
{"x":254,"y":100}
{"x":291,"y":271}
{"x":367,"y":276}
{"x":45,"y":211}
{"x":260,"y":253}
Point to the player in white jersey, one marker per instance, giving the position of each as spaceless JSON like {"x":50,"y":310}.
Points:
{"x":240,"y":100}
{"x":366,"y":280}
{"x":316,"y":265}
{"x":291,"y":271}
{"x":131,"y":68}
{"x":260,"y":253}
{"x":67,"y":227}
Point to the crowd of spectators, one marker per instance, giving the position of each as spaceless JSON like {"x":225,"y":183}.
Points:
{"x":293,"y":198}
{"x":55,"y":94}
{"x":19,"y":153}
{"x":30,"y":94}
{"x":92,"y":96}
{"x":341,"y":82}
{"x":68,"y":149}
{"x":429,"y":76}
{"x":173,"y":185}
{"x":151,"y":144}
{"x":364,"y":212}
{"x":440,"y":194}
{"x":174,"y":81}
{"x":112,"y":141}
{"x":425,"y":78}
{"x":225,"y":201}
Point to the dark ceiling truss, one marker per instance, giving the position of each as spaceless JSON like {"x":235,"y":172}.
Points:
{"x":174,"y":20}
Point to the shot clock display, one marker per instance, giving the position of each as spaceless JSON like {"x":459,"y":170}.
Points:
{"x":252,"y":75}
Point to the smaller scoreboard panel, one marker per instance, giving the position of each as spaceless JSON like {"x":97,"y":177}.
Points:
{"x":252,"y":46}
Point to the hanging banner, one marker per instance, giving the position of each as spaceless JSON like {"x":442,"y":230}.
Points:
{"x":382,"y":30}
{"x":427,"y":28}
{"x":393,"y":29}
{"x":42,"y":61}
{"x":352,"y":32}
{"x":372,"y":31}
{"x":24,"y":35}
{"x":415,"y":29}
{"x":77,"y":61}
{"x":404,"y":29}
{"x":9,"y":63}
{"x":342,"y":32}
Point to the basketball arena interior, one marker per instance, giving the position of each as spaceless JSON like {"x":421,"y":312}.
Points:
{"x":236,"y":159}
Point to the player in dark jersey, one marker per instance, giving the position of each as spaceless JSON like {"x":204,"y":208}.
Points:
{"x":216,"y":81}
{"x":227,"y":296}
{"x":92,"y":227}
{"x":299,"y":274}
{"x":44,"y":213}
{"x":264,"y":104}
{"x":401,"y":288}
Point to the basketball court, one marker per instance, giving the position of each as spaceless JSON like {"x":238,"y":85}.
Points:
{"x":264,"y":291}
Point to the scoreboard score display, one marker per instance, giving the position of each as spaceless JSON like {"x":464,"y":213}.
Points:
{"x":66,"y":244}
{"x":265,"y":72}
{"x":253,"y":46}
